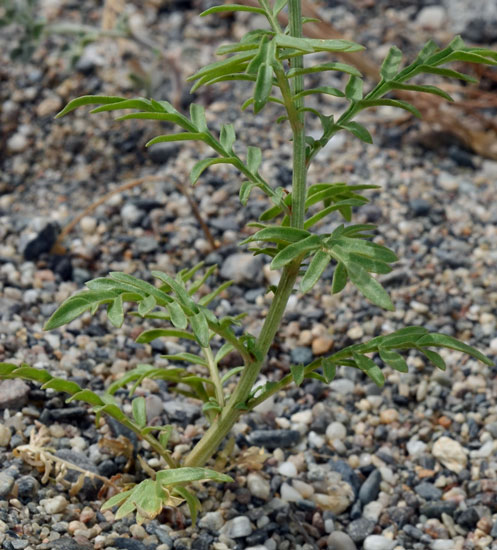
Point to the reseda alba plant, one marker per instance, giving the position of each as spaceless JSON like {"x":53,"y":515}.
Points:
{"x":273,"y":60}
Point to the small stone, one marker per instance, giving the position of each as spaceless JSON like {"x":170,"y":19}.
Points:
{"x":336,"y":503}
{"x":378,"y":542}
{"x":468,"y":518}
{"x":340,"y":541}
{"x":18,"y":143}
{"x":13,"y":393}
{"x":258,"y":486}
{"x":336,"y":430}
{"x":88,"y":225}
{"x":428,"y":491}
{"x":138,"y":531}
{"x":301,"y":355}
{"x":289,"y":494}
{"x":388,"y":416}
{"x":5,"y":435}
{"x":213,"y":521}
{"x":124,"y":543}
{"x":237,"y":527}
{"x":302,"y":417}
{"x":448,"y":182}
{"x":303,"y":488}
{"x":243,"y":269}
{"x":343,"y":386}
{"x":49,"y":106}
{"x":450,"y":453}
{"x":272,"y":439}
{"x":160,"y":153}
{"x":322,"y":345}
{"x":287,"y":469}
{"x":131,"y":214}
{"x":419,"y":207}
{"x":442,"y":544}
{"x":371,"y":487}
{"x":6,"y":484}
{"x":27,"y":486}
{"x":181,"y":411}
{"x":355,"y":333}
{"x":432,"y":18}
{"x":54,"y":505}
{"x":145,"y":245}
{"x":360,"y":528}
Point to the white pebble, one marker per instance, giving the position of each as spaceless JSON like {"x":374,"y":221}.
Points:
{"x":484,"y":451}
{"x":336,"y":430}
{"x":258,"y":486}
{"x":289,"y":494}
{"x":315,"y":440}
{"x":54,"y":505}
{"x":432,"y":17}
{"x":303,"y":488}
{"x":287,"y":469}
{"x":377,"y":542}
{"x":450,"y":453}
{"x":17,"y":143}
{"x":302,"y":417}
{"x":88,"y":225}
{"x":355,"y":333}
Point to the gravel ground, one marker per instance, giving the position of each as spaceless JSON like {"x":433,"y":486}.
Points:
{"x":412,"y":466}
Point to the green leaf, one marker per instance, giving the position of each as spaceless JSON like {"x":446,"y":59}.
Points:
{"x":389,"y":103}
{"x":263,"y":86}
{"x":142,"y":286}
{"x":231,"y":8}
{"x":329,"y":370}
{"x":188,"y":357}
{"x":115,"y":312}
{"x":135,"y":103}
{"x":326,"y":90}
{"x":278,"y":6}
{"x":245,"y":190}
{"x":116,"y":500}
{"x":230,"y":373}
{"x":368,"y":286}
{"x":278,"y":234}
{"x":197,"y":116}
{"x":9,"y":370}
{"x":182,"y":136}
{"x":139,"y":411}
{"x":358,"y":130}
{"x":227,"y":137}
{"x":445,"y":341}
{"x":344,"y":68}
{"x":448,"y":73}
{"x":200,"y":328}
{"x":146,"y":305}
{"x":423,"y":89}
{"x":294,"y":250}
{"x":202,"y":165}
{"x":58,"y":384}
{"x":178,"y":476}
{"x":165,"y":435}
{"x":353,"y":90}
{"x":339,"y":278}
{"x":333,"y":45}
{"x":297,"y":372}
{"x":393,"y":359}
{"x":365,"y":248}
{"x":391,"y":64}
{"x":287,"y":41}
{"x":468,"y":57}
{"x":254,"y":159}
{"x":149,"y":335}
{"x":435,"y":358}
{"x":178,"y":317}
{"x":192,"y":501}
{"x":313,"y":273}
{"x":370,"y":368}
{"x":88,"y":397}
{"x":88,"y":100}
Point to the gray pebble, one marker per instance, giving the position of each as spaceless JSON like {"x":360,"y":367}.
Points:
{"x":13,"y":393}
{"x":145,"y":245}
{"x":340,"y":541}
{"x":359,"y":529}
{"x":6,"y":484}
{"x":272,"y":439}
{"x":371,"y":487}
{"x":428,"y":491}
{"x":237,"y":527}
{"x":301,"y":355}
{"x":243,"y":268}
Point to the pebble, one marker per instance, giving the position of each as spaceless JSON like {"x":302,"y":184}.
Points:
{"x":6,"y":484}
{"x":355,"y":333}
{"x":301,"y":355}
{"x":272,"y":439}
{"x":336,"y":430}
{"x":322,"y":345}
{"x":237,"y":527}
{"x":243,"y":269}
{"x":388,"y":416}
{"x":13,"y":393}
{"x":258,"y":486}
{"x":428,"y":491}
{"x":378,"y":542}
{"x":88,"y":225}
{"x":340,"y":541}
{"x":55,"y":505}
{"x":450,"y":453}
{"x":360,"y":528}
{"x":18,"y":143}
{"x":371,"y":487}
{"x":432,"y":18}
{"x":5,"y":435}
{"x":289,"y":494}
{"x":287,"y":469}
{"x":213,"y":521}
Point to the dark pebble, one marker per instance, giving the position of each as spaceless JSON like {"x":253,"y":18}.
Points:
{"x":272,"y":439}
{"x":256,"y":537}
{"x":129,"y":544}
{"x":493,"y":532}
{"x":66,"y":415}
{"x":461,"y":157}
{"x":359,"y":529}
{"x":468,"y":518}
{"x":90,"y":488}
{"x":27,"y":487}
{"x":42,"y":243}
{"x":397,"y":515}
{"x":301,"y":355}
{"x":481,"y":31}
{"x":65,"y":543}
{"x":108,"y":468}
{"x":428,"y":491}
{"x":371,"y":487}
{"x":160,"y":153}
{"x":435,"y":509}
{"x":356,"y":510}
{"x":347,"y":474}
{"x":412,"y":532}
{"x":419,"y":207}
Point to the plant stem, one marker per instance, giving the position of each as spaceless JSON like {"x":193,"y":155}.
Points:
{"x":214,"y":374}
{"x":211,"y":440}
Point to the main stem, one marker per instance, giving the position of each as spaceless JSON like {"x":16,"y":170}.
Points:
{"x":211,"y":440}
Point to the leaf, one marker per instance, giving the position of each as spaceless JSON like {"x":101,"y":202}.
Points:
{"x":188,"y":357}
{"x":370,"y":368}
{"x":353,"y":90}
{"x":197,"y":116}
{"x":227,"y":137}
{"x":141,"y":286}
{"x":339,"y":278}
{"x":88,"y":397}
{"x":278,"y":234}
{"x":435,"y":358}
{"x":448,"y":73}
{"x":254,"y":159}
{"x":146,"y":305}
{"x":245,"y":190}
{"x":230,"y":373}
{"x":185,"y":474}
{"x":263,"y":86}
{"x":365,"y":248}
{"x":358,"y":130}
{"x":232,"y":8}
{"x":200,"y":329}
{"x":182,"y":136}
{"x":165,"y":435}
{"x":393,"y":359}
{"x":329,"y":370}
{"x":313,"y":273}
{"x":369,"y":287}
{"x":326,"y":90}
{"x":178,"y":317}
{"x":391,"y":64}
{"x":445,"y":341}
{"x":115,"y":312}
{"x":8,"y":370}
{"x":287,"y":41}
{"x":297,"y":372}
{"x":389,"y":103}
{"x":149,"y":335}
{"x":425,"y":88}
{"x":58,"y":384}
{"x":294,"y":250}
{"x":139,"y":410}
{"x":322,"y":68}
{"x":88,"y":100}
{"x":203,"y":164}
{"x":334,"y":45}
{"x":116,"y":500}
{"x":191,"y":500}
{"x":135,"y":103}
{"x":278,"y":6}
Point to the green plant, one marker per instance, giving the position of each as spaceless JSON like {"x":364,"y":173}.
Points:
{"x":270,"y":59}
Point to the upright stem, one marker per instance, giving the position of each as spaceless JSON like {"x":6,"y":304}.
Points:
{"x":211,"y":440}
